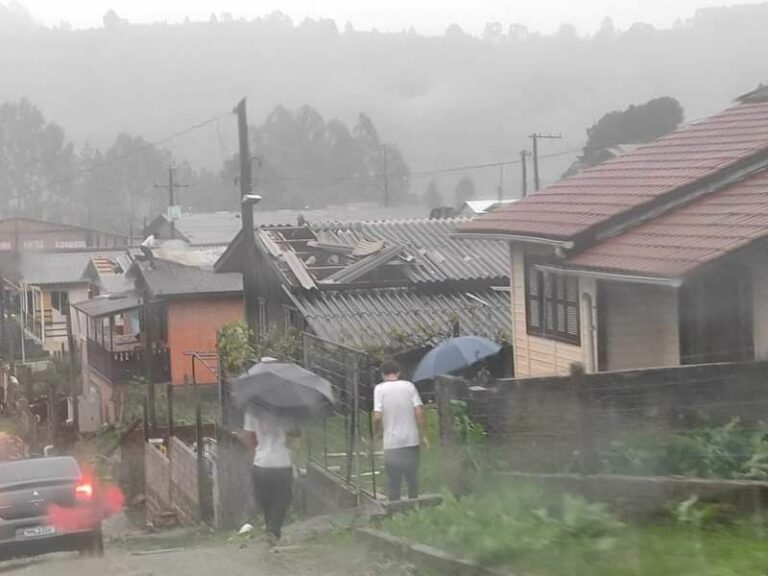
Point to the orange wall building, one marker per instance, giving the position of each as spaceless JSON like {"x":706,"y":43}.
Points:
{"x":192,"y":324}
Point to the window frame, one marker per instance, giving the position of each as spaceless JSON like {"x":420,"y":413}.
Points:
{"x":546,"y":306}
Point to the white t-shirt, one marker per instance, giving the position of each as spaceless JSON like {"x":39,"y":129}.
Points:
{"x":396,"y":400}
{"x":271,"y":448}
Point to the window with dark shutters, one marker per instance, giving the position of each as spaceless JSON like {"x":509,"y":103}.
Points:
{"x":552,"y":305}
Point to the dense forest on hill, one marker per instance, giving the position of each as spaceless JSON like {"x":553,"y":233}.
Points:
{"x":440,"y":101}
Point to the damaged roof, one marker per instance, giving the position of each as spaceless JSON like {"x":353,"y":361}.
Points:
{"x":407,"y":251}
{"x":397,"y":317}
{"x":67,"y":267}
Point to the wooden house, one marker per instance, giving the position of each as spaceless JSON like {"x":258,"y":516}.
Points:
{"x":655,"y":258}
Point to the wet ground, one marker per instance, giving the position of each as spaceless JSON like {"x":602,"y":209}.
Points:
{"x":305,"y":552}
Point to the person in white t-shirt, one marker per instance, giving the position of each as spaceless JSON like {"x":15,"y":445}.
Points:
{"x":399,"y":413}
{"x":272,"y":473}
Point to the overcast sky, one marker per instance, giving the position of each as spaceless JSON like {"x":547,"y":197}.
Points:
{"x":426,"y":16}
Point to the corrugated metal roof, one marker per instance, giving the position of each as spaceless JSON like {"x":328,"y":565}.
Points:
{"x":165,"y":278}
{"x":680,"y":241}
{"x":108,"y":305}
{"x":436,"y":254}
{"x":576,"y":204}
{"x":398,"y":316}
{"x":220,"y":228}
{"x":68,"y":267}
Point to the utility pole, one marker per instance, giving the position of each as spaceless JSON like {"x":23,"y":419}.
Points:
{"x":148,"y":361}
{"x":386,"y":175}
{"x":536,"y":136}
{"x":247,"y":201}
{"x":171,"y":186}
{"x":524,"y":165}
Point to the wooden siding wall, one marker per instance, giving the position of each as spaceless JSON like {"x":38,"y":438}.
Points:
{"x":641,"y":326}
{"x":760,"y":296}
{"x":535,"y":356}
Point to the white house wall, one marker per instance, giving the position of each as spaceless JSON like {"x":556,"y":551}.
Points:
{"x":760,"y":303}
{"x":641,"y":326}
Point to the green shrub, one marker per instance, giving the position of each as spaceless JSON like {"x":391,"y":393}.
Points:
{"x":728,"y":451}
{"x":500,"y":525}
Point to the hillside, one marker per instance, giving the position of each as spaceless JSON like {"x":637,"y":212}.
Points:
{"x":446,"y":101}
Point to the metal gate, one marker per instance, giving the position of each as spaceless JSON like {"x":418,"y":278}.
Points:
{"x":343,"y":442}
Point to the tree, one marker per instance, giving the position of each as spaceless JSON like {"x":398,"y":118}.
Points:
{"x":112,"y":21}
{"x":306,"y":161}
{"x":518,"y":32}
{"x":36,"y":163}
{"x":465,"y":190}
{"x":432,"y":197}
{"x":493,"y":32}
{"x":635,"y":125}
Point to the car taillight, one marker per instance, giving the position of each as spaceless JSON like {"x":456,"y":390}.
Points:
{"x":83,"y":491}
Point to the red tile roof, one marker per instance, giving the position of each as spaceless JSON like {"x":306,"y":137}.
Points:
{"x":575,"y":205}
{"x":680,"y":241}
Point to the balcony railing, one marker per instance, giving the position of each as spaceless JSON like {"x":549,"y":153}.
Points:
{"x":121,"y":366}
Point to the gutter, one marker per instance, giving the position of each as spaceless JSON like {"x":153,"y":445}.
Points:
{"x":561,"y":244}
{"x":612,"y":276}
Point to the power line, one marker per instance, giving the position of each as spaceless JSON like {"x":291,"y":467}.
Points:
{"x":416,"y":174}
{"x":125,"y":155}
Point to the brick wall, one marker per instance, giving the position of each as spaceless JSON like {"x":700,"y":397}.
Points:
{"x":172,"y":483}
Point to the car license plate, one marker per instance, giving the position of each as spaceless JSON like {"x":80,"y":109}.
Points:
{"x":35,"y":532}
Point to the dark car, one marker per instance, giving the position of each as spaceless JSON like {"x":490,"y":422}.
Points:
{"x":47,"y":505}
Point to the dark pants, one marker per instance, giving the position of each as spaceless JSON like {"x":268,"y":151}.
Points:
{"x":274,"y":491}
{"x":402,"y":463}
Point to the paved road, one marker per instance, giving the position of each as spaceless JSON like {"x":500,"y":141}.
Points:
{"x":223,"y":559}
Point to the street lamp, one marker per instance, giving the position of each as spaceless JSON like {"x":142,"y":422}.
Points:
{"x":251,"y":200}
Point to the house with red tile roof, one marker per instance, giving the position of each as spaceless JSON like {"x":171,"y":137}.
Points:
{"x":656,"y":258}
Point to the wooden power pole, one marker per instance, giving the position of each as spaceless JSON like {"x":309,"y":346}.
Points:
{"x":248,"y":236}
{"x":171,"y":187}
{"x":524,"y":167}
{"x":536,"y":137}
{"x":386,"y":175}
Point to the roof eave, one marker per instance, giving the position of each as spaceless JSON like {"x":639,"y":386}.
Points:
{"x":614,"y":276}
{"x":557,"y":243}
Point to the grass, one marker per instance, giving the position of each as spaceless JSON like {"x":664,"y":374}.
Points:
{"x":531,"y":531}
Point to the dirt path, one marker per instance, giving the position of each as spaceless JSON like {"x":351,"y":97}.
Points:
{"x":221,"y":560}
{"x":214,"y":555}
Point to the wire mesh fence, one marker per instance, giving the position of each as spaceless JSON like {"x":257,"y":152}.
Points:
{"x":342,"y":442}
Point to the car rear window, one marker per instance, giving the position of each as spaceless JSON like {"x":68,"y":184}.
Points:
{"x":38,"y":469}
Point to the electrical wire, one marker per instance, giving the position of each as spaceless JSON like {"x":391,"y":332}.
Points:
{"x":415,"y":174}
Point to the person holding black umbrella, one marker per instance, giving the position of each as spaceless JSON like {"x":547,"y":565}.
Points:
{"x":272,"y":473}
{"x":399,"y":413}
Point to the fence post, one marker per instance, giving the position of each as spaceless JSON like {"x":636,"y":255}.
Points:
{"x":202,"y":474}
{"x":356,"y":426}
{"x":588,"y":458}
{"x":170,"y":432}
{"x":145,"y":419}
{"x":446,"y":391}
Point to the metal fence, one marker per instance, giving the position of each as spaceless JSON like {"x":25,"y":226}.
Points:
{"x":342,"y":443}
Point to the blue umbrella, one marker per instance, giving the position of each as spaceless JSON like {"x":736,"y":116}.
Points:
{"x":454,"y":354}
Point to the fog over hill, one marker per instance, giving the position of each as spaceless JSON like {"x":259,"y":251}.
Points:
{"x":444,"y":101}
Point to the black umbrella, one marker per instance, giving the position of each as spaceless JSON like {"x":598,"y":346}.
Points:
{"x":285,"y":388}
